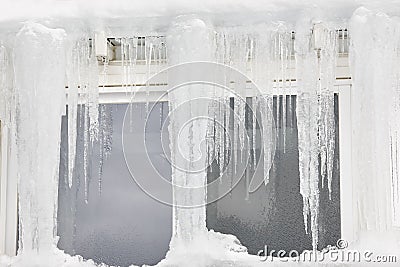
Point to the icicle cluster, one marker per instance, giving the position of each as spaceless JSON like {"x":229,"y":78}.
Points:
{"x":327,"y":55}
{"x":233,"y":49}
{"x":268,"y":57}
{"x":315,"y":65}
{"x":375,"y":54}
{"x":7,"y":99}
{"x":265,"y":56}
{"x":141,"y":57}
{"x":82,"y":79}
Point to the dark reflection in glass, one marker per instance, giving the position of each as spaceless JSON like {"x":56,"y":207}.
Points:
{"x":121,"y":225}
{"x":273,"y":214}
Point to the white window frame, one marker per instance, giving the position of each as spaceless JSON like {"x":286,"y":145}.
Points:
{"x":8,"y":195}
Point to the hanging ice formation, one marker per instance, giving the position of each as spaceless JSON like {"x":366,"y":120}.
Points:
{"x":38,"y":76}
{"x":7,"y":99}
{"x":141,"y":57}
{"x":187,"y":129}
{"x":82,"y":80}
{"x":375,"y":55}
{"x":105,"y":137}
{"x":315,"y":66}
{"x":267,"y":57}
{"x":249,"y":53}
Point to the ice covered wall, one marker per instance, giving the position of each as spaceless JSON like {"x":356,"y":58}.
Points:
{"x":6,"y":86}
{"x":375,"y":50}
{"x":191,"y":40}
{"x":375,"y":107}
{"x":39,"y":67}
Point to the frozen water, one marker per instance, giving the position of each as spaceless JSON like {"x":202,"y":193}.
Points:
{"x":188,"y":128}
{"x":374,"y":56}
{"x":38,"y":130}
{"x":40,"y":62}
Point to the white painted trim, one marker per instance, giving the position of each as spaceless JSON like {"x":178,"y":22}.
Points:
{"x":8,"y":196}
{"x":137,"y":93}
{"x":346,"y":181}
{"x":3,"y":187}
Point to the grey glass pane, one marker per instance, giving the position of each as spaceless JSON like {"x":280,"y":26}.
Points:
{"x":122,"y":225}
{"x":273,"y":215}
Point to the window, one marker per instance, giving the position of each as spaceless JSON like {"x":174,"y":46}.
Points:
{"x":117,"y":223}
{"x":273,"y":214}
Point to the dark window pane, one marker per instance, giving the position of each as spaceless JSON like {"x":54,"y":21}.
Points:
{"x":122,"y":225}
{"x":273,"y":214}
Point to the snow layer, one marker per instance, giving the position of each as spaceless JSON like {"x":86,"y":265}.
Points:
{"x":278,"y":9}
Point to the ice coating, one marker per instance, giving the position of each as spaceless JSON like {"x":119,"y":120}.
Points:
{"x":375,"y":70}
{"x":192,"y":42}
{"x":374,"y":54}
{"x":38,"y":131}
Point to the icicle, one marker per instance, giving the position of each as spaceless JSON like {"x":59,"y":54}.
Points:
{"x":374,"y":57}
{"x":228,"y":124}
{"x":133,"y":58}
{"x":268,"y":136}
{"x":6,"y":88}
{"x":395,"y":130}
{"x":192,"y":42}
{"x":210,"y":137}
{"x":73,"y":85}
{"x":86,"y":147}
{"x":282,"y":83}
{"x":149,"y":51}
{"x":161,"y":115}
{"x":93,"y":96}
{"x":307,"y":124}
{"x":327,"y":73}
{"x":222,"y":137}
{"x":264,"y":75}
{"x":38,"y":77}
{"x":254,"y":129}
{"x":124,"y":81}
{"x":105,"y":137}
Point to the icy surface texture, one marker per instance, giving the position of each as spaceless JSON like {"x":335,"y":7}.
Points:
{"x":187,"y":128}
{"x":7,"y":100}
{"x":40,"y":68}
{"x":315,"y":67}
{"x":375,"y":96}
{"x":249,"y":52}
{"x":82,"y":80}
{"x":38,"y":76}
{"x":268,"y":55}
